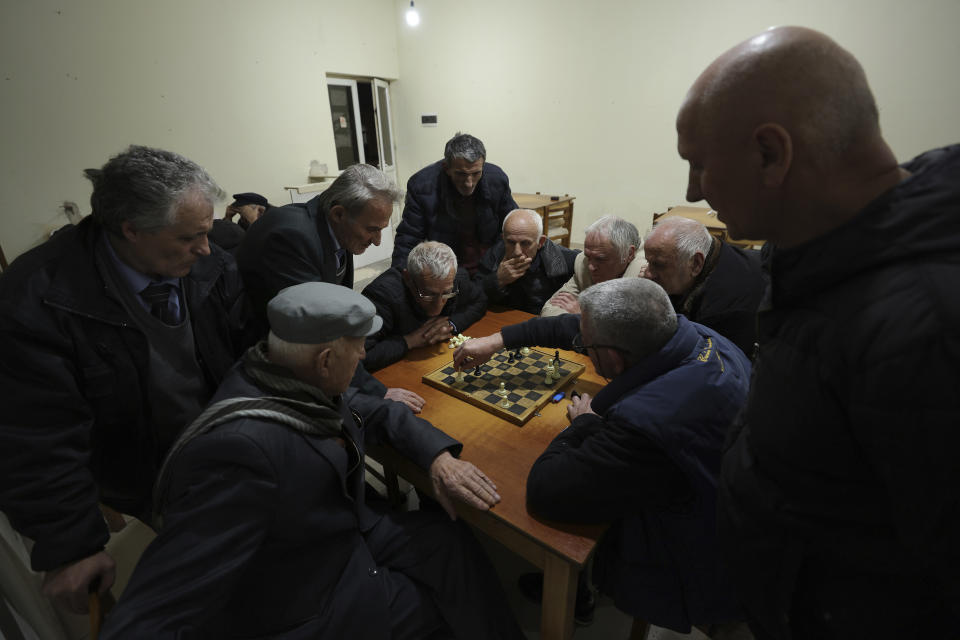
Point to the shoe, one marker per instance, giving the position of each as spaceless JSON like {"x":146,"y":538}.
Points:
{"x":531,"y":586}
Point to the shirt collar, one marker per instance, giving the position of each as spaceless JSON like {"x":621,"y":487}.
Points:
{"x":133,"y":278}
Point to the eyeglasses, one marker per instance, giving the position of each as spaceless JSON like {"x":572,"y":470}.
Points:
{"x":577,"y":344}
{"x":433,"y":297}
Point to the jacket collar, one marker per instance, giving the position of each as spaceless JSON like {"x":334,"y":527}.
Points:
{"x":668,"y":358}
{"x":79,"y":285}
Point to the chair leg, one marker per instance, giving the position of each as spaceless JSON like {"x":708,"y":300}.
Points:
{"x":639,"y":629}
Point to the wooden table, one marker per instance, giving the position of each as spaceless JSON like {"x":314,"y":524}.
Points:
{"x":556,"y":212}
{"x":505,"y":452}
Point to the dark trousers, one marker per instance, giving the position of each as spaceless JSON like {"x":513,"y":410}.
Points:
{"x":439,"y":579}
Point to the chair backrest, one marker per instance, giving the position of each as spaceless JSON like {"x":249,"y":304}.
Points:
{"x":20,"y":587}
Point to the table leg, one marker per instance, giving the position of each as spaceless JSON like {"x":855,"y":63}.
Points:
{"x":559,"y":595}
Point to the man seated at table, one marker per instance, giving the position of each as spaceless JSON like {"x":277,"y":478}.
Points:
{"x":525,"y":267}
{"x":644,"y":454}
{"x":426,"y":303}
{"x":709,"y":281}
{"x":611,"y":249}
{"x":266,"y":531}
{"x":460,"y":201}
{"x":315,"y":242}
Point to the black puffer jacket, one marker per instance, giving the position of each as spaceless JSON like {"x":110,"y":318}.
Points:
{"x":425,"y":215}
{"x":76,"y":426}
{"x":840,"y":495}
{"x":550,"y":270}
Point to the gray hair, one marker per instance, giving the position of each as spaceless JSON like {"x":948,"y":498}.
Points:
{"x":689,"y":236}
{"x":145,"y":187}
{"x":356,"y":186}
{"x":292,"y":355}
{"x":530,"y":213}
{"x":633,"y":314}
{"x":464,"y":146}
{"x":435,"y":257}
{"x":621,"y":234}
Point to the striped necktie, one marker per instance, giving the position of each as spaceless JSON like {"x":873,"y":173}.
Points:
{"x":157,"y":295}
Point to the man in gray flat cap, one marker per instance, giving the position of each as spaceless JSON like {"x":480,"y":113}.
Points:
{"x":265,"y":528}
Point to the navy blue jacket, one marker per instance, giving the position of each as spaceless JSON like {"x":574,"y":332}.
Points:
{"x":649,"y":462}
{"x":425,"y":215}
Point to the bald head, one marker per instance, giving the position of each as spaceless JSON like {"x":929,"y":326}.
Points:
{"x":523,"y":233}
{"x":794,"y":76}
{"x":781,"y":123}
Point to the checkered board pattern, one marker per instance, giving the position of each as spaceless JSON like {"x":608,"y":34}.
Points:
{"x":523,"y":379}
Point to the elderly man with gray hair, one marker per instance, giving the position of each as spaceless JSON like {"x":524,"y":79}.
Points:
{"x":114,"y":334}
{"x":611,"y":249}
{"x":266,"y":530}
{"x":315,"y":242}
{"x":525,"y":267}
{"x":644,"y":454}
{"x":709,"y":281}
{"x":426,"y":303}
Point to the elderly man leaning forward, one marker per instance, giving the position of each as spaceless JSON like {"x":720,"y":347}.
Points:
{"x":266,"y":530}
{"x":426,"y":303}
{"x":525,"y":267}
{"x":114,"y":334}
{"x":611,"y":249}
{"x":840,"y":489}
{"x":708,"y":280}
{"x":315,"y":242}
{"x":643,"y":454}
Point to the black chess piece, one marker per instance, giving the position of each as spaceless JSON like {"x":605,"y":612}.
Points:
{"x":511,"y":357}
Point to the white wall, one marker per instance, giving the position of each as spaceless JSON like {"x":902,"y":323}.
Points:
{"x":235,"y":85}
{"x":580,"y":97}
{"x":570,"y":96}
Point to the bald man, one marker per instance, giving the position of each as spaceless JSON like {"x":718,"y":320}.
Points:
{"x":840,"y":489}
{"x":525,"y":267}
{"x":709,"y":281}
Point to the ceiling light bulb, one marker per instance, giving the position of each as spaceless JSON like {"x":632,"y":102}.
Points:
{"x":413,"y":18}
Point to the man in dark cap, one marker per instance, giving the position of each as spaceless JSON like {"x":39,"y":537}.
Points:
{"x":249,"y":207}
{"x":266,"y":532}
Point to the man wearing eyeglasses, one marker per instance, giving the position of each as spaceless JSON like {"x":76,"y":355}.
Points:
{"x":644,"y":454}
{"x":426,"y":303}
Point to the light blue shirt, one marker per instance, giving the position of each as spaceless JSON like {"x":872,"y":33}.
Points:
{"x":137,"y":282}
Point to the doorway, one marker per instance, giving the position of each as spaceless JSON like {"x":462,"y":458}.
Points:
{"x":363,"y":132}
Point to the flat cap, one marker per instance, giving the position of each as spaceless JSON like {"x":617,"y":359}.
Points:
{"x":240,"y":199}
{"x":317,"y":312}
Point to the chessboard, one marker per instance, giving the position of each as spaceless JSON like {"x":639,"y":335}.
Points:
{"x":524,"y":381}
